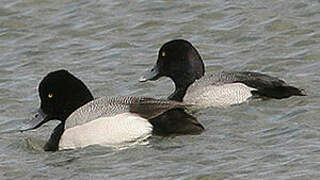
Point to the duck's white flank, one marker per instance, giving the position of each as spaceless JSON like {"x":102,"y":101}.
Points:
{"x":115,"y":131}
{"x":218,"y":95}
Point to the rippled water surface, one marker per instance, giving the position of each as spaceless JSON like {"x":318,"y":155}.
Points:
{"x":109,"y":44}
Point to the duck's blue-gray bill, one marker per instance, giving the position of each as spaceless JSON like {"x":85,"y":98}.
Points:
{"x":150,"y":75}
{"x":39,"y":119}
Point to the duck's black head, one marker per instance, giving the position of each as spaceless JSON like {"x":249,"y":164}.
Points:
{"x":60,"y":93}
{"x":180,"y":61}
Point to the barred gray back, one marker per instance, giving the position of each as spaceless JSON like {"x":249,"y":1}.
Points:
{"x":110,"y":106}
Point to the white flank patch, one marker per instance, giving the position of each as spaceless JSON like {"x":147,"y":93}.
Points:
{"x":116,"y":131}
{"x":219,"y":95}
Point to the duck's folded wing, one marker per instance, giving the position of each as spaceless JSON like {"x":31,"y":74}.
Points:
{"x":110,"y":106}
{"x":149,"y":107}
{"x":253,"y":79}
{"x":265,"y":85}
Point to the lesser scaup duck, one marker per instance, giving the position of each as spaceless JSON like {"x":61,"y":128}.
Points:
{"x":180,"y":61}
{"x":108,"y":121}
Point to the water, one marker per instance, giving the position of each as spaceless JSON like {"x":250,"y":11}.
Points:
{"x":109,"y":44}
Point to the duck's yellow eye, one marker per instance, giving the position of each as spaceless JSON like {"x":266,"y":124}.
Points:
{"x":50,"y":95}
{"x":163,"y":54}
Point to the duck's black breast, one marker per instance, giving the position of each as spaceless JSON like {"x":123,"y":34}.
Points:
{"x":53,"y":143}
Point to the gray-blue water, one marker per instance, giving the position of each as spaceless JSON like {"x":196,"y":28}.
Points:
{"x":109,"y":44}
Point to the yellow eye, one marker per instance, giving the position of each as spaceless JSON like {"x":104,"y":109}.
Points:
{"x":50,"y":95}
{"x":163,"y":54}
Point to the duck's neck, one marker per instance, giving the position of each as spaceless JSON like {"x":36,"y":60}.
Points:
{"x":53,"y":143}
{"x":181,"y":86}
{"x":178,"y":94}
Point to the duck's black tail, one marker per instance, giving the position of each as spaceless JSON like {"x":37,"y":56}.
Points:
{"x":280,"y":92}
{"x":293,"y":91}
{"x":176,"y":122}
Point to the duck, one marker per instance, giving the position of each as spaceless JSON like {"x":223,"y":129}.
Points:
{"x":107,"y":121}
{"x":180,"y":61}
